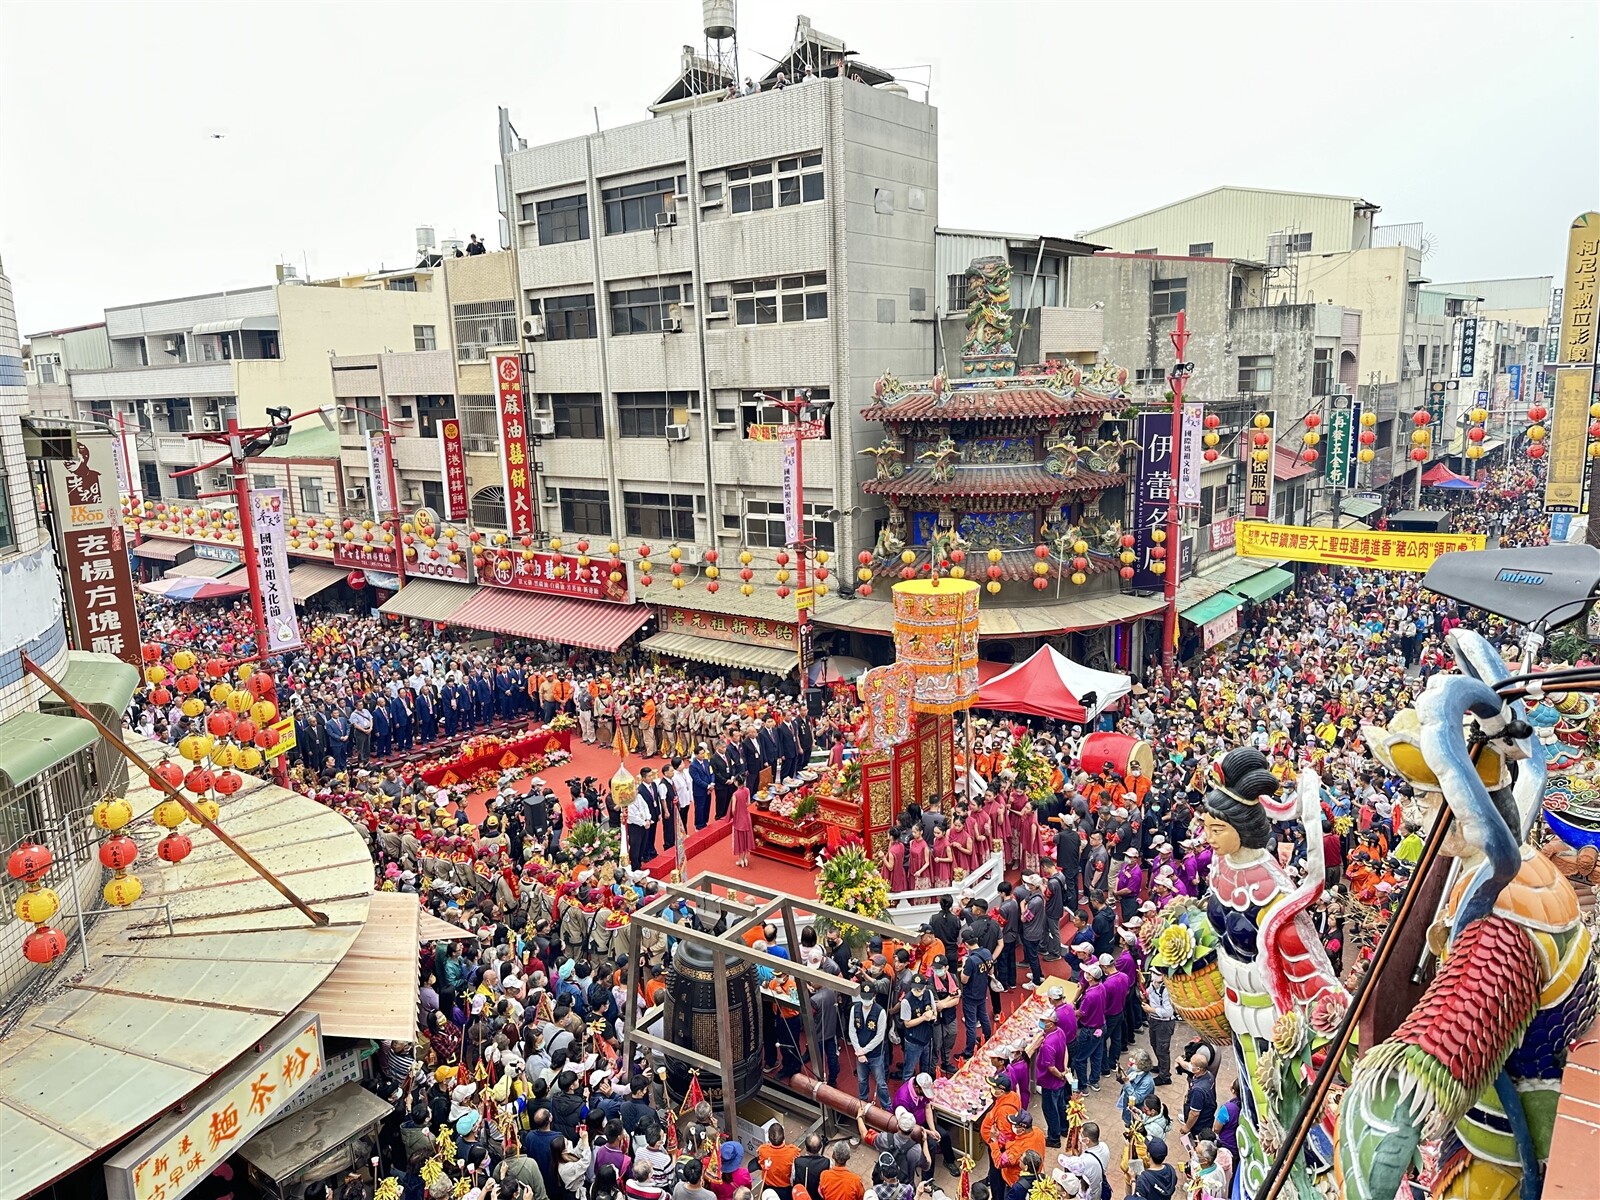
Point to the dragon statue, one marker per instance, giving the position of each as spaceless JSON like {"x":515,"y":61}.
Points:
{"x":946,"y":538}
{"x":888,"y":454}
{"x":988,"y":307}
{"x":942,"y":459}
{"x":1476,"y":1066}
{"x":1106,"y":457}
{"x":1062,"y":457}
{"x":1107,"y":379}
{"x":886,"y":387}
{"x":891,"y":538}
{"x":1063,"y":377}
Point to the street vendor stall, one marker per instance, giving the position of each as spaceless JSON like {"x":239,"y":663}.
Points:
{"x":961,"y":1100}
{"x":336,"y":1133}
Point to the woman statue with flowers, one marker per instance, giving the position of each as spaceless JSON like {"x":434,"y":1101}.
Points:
{"x":1281,"y":996}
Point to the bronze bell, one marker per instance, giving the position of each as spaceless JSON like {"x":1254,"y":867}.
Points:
{"x":691,"y":1021}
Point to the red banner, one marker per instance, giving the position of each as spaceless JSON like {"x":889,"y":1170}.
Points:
{"x":516,"y":461}
{"x":86,"y":511}
{"x":453,"y":469}
{"x":556,"y":574}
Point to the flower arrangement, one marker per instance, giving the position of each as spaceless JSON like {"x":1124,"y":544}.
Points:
{"x":562,"y":721}
{"x":593,"y":841}
{"x":1031,"y":769}
{"x":1186,"y":952}
{"x":795,"y":806}
{"x":847,"y":779}
{"x":806,"y":808}
{"x":847,"y":878}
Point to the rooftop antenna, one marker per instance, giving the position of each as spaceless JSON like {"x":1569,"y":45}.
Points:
{"x":720,"y":65}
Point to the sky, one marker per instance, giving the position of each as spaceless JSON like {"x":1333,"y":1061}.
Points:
{"x":346,"y":125}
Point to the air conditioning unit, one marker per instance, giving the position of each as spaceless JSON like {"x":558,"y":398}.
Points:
{"x":413,"y":494}
{"x":672,"y":325}
{"x":221,"y":480}
{"x":666,"y":220}
{"x":677,"y":433}
{"x":533,"y":327}
{"x":486,"y":336}
{"x":158,"y":409}
{"x":211,"y":423}
{"x":172,"y":345}
{"x":542,"y":426}
{"x":356,"y":495}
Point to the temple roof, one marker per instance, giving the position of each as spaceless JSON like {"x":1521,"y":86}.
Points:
{"x":1019,"y":480}
{"x":1019,"y":397}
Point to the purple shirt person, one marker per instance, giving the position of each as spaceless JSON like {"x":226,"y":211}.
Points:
{"x":1130,"y":882}
{"x":911,"y":1097}
{"x":1067,"y":1020}
{"x":1116,"y":986}
{"x":1021,"y":1076}
{"x":1092,"y":1004}
{"x":1128,"y":961}
{"x":1051,"y":1056}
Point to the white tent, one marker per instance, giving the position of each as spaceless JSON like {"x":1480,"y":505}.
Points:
{"x":1051,"y":684}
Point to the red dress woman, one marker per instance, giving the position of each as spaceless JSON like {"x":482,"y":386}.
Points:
{"x":944,"y":863}
{"x":899,"y":878}
{"x":919,"y":860}
{"x":963,"y":852}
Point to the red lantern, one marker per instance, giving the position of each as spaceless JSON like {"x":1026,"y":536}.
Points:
{"x":1157,"y":553}
{"x":1040,"y":582}
{"x":1127,"y":541}
{"x":29,"y":862}
{"x":864,"y":590}
{"x":711,"y":555}
{"x":174,"y":848}
{"x":782,"y":558}
{"x":1312,"y":420}
{"x":220,"y":724}
{"x":712,"y":587}
{"x":188,"y":684}
{"x":1536,"y":450}
{"x":118,"y":853}
{"x":1308,"y":455}
{"x":1420,"y":418}
{"x":1080,"y":563}
{"x":1210,"y":456}
{"x":1261,"y":439}
{"x":216,"y":667}
{"x":1419,"y":455}
{"x":267,"y":738}
{"x":677,"y":568}
{"x":1213,"y":421}
{"x":44,"y":945}
{"x":646,"y":580}
{"x":783,"y":591}
{"x":260,"y":685}
{"x":958,"y":555}
{"x":199,"y":780}
{"x":1538,"y":413}
{"x":822,"y":574}
{"x":994,"y":572}
{"x":865,"y":558}
{"x":161,"y":697}
{"x":644,"y":551}
{"x":229,"y":782}
{"x":245,"y":730}
{"x":747,"y":574}
{"x":1041,"y":551}
{"x":1369,"y":437}
{"x":171,"y":772}
{"x":349,"y":524}
{"x":907,"y":573}
{"x":1127,"y":573}
{"x":1476,"y":434}
{"x":356,"y":579}
{"x":152,"y":652}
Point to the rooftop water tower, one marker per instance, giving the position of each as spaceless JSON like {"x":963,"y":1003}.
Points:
{"x":720,"y":22}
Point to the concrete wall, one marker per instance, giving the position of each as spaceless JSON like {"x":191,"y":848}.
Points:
{"x":1237,"y":222}
{"x":1375,"y":282}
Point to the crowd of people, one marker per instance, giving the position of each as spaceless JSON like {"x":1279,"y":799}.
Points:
{"x":515,"y":1082}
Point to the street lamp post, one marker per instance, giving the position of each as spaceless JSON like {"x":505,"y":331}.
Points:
{"x":809,"y":424}
{"x":386,"y":432}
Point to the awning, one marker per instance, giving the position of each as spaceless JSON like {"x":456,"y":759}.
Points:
{"x":308,"y":578}
{"x":431,"y":929}
{"x":201,"y":568}
{"x":101,"y":683}
{"x":372,"y":993}
{"x":1264,"y":584}
{"x":1211,"y":608}
{"x":1359,"y":509}
{"x":236,"y":324}
{"x":33,"y":742}
{"x":1023,"y":620}
{"x":160,"y":549}
{"x":315,"y":1131}
{"x":592,"y":624}
{"x":769,"y":659}
{"x":427,"y":600}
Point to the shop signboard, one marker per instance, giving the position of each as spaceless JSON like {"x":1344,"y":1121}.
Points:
{"x":555,"y":574}
{"x":727,"y":627}
{"x":1340,"y":460}
{"x":1569,"y":441}
{"x":1191,"y":451}
{"x":364,"y":556}
{"x":1347,"y":547}
{"x":1153,"y":484}
{"x":1260,"y":467}
{"x":516,"y":457}
{"x":1580,"y":296}
{"x":1469,"y":348}
{"x":1220,"y":628}
{"x":453,"y":469}
{"x":92,"y":546}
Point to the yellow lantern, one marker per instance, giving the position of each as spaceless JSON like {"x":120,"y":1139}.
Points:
{"x":209,"y":808}
{"x":1368,"y":420}
{"x":994,"y":555}
{"x":1419,"y":437}
{"x":613,"y":549}
{"x":239,"y":700}
{"x":245,"y":671}
{"x":1158,"y":536}
{"x":747,"y":589}
{"x":908,"y":557}
{"x":1480,"y":415}
{"x":366,"y":525}
{"x":677,"y":582}
{"x":112,"y":813}
{"x":221,"y":690}
{"x":1261,"y":421}
{"x":1158,"y":568}
{"x":183,"y":659}
{"x":249,"y":758}
{"x":958,"y":572}
{"x":224,"y":755}
{"x":1537,"y":433}
{"x":1311,"y":437}
{"x":992,"y":587}
{"x":781,"y":576}
{"x":1041,"y":569}
{"x":37,"y":905}
{"x":712,"y":572}
{"x":407,"y":527}
{"x":122,"y":891}
{"x":822,"y":557}
{"x":745,"y":558}
{"x":192,"y":748}
{"x":1080,"y":547}
{"x":1366,"y":455}
{"x":822,"y":589}
{"x":155,"y":674}
{"x":263,"y":712}
{"x":1078,"y":577}
{"x":193,"y":706}
{"x":169,"y":814}
{"x":555,"y":545}
{"x":672,"y":552}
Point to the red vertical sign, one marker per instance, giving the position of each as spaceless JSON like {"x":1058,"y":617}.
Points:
{"x":453,"y":469}
{"x":516,"y":463}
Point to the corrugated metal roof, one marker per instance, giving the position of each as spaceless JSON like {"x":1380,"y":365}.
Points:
{"x":201,"y":568}
{"x":372,"y":993}
{"x":110,"y":1049}
{"x":768,"y":659}
{"x":33,"y":742}
{"x":306,"y":579}
{"x":427,"y":599}
{"x":159,"y":549}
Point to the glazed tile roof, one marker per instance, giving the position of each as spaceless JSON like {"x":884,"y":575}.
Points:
{"x":1016,"y":566}
{"x":958,"y":402}
{"x":1020,"y":480}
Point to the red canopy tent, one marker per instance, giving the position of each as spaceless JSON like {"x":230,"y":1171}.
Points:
{"x":1441,"y":476}
{"x":1049,"y":685}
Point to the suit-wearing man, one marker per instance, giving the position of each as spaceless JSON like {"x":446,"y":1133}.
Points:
{"x":807,"y":737}
{"x":704,"y":777}
{"x":339,"y":740}
{"x":400,"y":720}
{"x":482,"y":699}
{"x":426,"y":715}
{"x":726,"y":767}
{"x":752,"y":761}
{"x":788,"y":750}
{"x":382,"y":731}
{"x":771,"y":752}
{"x":650,"y":790}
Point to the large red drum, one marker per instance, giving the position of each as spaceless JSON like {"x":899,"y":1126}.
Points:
{"x":1119,"y":750}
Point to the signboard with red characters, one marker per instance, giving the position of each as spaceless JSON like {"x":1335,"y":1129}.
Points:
{"x":555,"y":574}
{"x":453,"y":468}
{"x":515,"y":444}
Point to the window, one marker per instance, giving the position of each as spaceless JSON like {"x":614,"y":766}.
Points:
{"x":635,"y":206}
{"x":577,"y":415}
{"x":755,"y":407}
{"x":1168,"y":296}
{"x":402,"y":285}
{"x":45,"y":366}
{"x":585,"y":510}
{"x":489,"y":507}
{"x":763,"y":524}
{"x":482,"y":325}
{"x":956,"y":292}
{"x":430,"y":411}
{"x":365,"y":414}
{"x":791,"y":298}
{"x":1146,"y":250}
{"x":563,"y":220}
{"x":8,"y":531}
{"x":659,"y":515}
{"x":263,"y":481}
{"x":480,"y":432}
{"x":1321,"y":372}
{"x":1255,"y":373}
{"x":647,"y":414}
{"x":1215,"y":503}
{"x":432,"y":496}
{"x":424,"y":337}
{"x":782,"y":183}
{"x":1299,"y":243}
{"x":1153,"y":376}
{"x":566,"y":318}
{"x":185,"y":487}
{"x":1201,"y":249}
{"x":180,"y":416}
{"x":642,"y":310}
{"x":1436,"y":357}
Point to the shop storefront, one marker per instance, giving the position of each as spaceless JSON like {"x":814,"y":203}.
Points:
{"x":755,"y":645}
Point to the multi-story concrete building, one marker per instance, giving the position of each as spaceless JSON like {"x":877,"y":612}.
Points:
{"x":189,"y":364}
{"x":1227,"y":222}
{"x":678,"y":270}
{"x":49,"y":358}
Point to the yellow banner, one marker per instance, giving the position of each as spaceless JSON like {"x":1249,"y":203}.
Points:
{"x":1578,"y":302}
{"x":286,"y":740}
{"x":1347,"y":547}
{"x":1568,"y":441}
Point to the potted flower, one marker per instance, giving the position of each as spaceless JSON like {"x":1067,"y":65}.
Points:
{"x":1186,"y":952}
